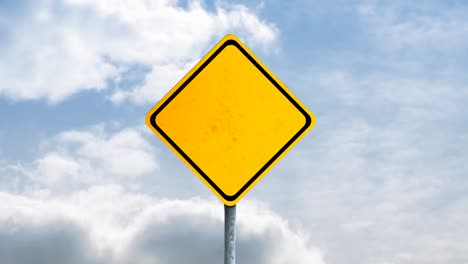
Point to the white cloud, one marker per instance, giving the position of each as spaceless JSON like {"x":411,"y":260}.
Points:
{"x":66,"y":47}
{"x":378,"y":191}
{"x":105,"y":224}
{"x":75,"y":159}
{"x":76,"y":208}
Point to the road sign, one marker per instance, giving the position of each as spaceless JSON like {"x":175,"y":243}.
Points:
{"x":230,"y":119}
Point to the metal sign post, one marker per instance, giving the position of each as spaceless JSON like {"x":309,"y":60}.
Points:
{"x":229,"y":234}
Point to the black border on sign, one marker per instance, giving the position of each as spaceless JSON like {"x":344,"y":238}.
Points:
{"x":189,"y":160}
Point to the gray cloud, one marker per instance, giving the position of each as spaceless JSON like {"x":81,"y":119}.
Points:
{"x":56,"y":241}
{"x":106,"y":224}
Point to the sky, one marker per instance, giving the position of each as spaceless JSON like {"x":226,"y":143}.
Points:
{"x":380,"y":179}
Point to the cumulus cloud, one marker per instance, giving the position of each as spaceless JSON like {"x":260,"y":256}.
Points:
{"x":58,"y":48}
{"x":105,"y":224}
{"x":80,"y":158}
{"x":76,"y":204}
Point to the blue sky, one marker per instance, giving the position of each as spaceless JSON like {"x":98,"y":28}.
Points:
{"x":380,"y":179}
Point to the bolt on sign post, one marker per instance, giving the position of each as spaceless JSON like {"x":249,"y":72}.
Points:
{"x":230,"y":120}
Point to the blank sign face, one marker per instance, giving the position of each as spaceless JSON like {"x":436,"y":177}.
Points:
{"x":230,"y":120}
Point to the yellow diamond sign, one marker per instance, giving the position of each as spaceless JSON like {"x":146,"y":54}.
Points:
{"x":230,"y":119}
